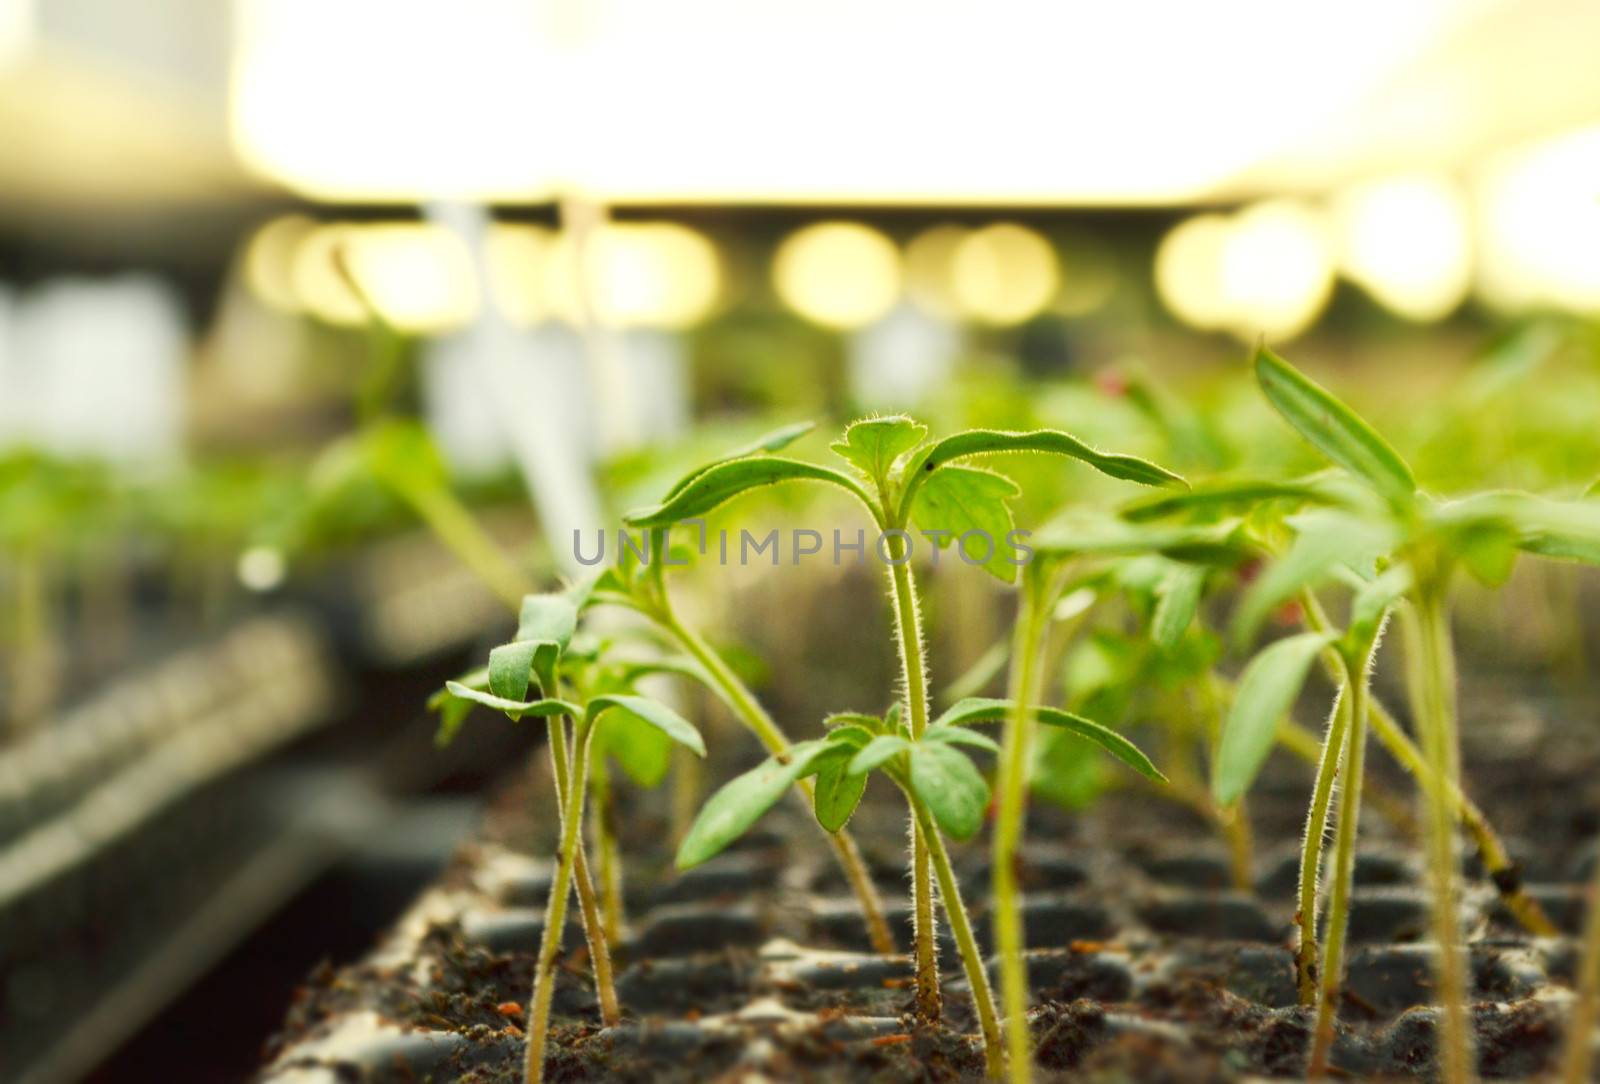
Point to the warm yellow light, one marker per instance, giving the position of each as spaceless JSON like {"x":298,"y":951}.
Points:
{"x":1277,"y":270}
{"x":930,"y":269}
{"x":841,"y":274}
{"x":269,"y":261}
{"x":647,"y":274}
{"x":1541,"y":226}
{"x":318,"y":285}
{"x":1407,"y":242}
{"x":1188,"y":260}
{"x":418,"y":276}
{"x":1004,"y":274}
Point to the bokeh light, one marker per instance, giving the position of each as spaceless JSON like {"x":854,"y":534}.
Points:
{"x":1540,"y":216}
{"x":839,"y":274}
{"x":1004,"y":274}
{"x":1407,"y":241}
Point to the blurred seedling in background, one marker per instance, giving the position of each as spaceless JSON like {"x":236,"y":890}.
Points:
{"x":903,"y":481}
{"x":1396,"y":547}
{"x":540,"y":661}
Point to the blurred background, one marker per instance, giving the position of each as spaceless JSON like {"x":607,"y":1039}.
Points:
{"x":276,"y":274}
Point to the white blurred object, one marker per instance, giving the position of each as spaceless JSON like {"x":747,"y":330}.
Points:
{"x":459,"y":409}
{"x":97,"y":369}
{"x":896,"y":362}
{"x":656,"y":369}
{"x":1540,"y":221}
{"x":538,"y":386}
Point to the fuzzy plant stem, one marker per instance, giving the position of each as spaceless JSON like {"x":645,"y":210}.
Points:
{"x":1305,"y":916}
{"x":1433,"y":680}
{"x":1391,"y":735}
{"x":555,"y":914}
{"x":594,"y":931}
{"x":966,"y":944}
{"x":749,"y":710}
{"x":908,"y":628}
{"x":1344,"y":865}
{"x":1579,"y":1054}
{"x":1010,"y":813}
{"x":605,"y":833}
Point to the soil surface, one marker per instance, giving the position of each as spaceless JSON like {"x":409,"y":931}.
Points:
{"x":1146,"y":962}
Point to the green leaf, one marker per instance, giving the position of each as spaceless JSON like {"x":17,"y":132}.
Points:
{"x":872,"y":445}
{"x":1048,"y":441}
{"x":511,"y":667}
{"x":1266,"y":692}
{"x":1242,"y":494}
{"x":642,"y":751}
{"x":979,"y":709}
{"x":1093,"y":534}
{"x":876,"y":751}
{"x":1333,"y":428}
{"x":514,"y":708}
{"x":738,"y":804}
{"x":552,"y":617}
{"x":951,"y":786}
{"x":402,"y":456}
{"x":1326,"y":540}
{"x":767,"y":442}
{"x":851,"y":735}
{"x":719,"y":484}
{"x":837,"y":794}
{"x":960,"y":735}
{"x":1177,"y":599}
{"x":656,"y":714}
{"x":1372,"y":601}
{"x":967,"y":499}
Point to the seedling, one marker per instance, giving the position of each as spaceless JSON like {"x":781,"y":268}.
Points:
{"x":533,"y":661}
{"x":901,"y":478}
{"x":1397,"y":544}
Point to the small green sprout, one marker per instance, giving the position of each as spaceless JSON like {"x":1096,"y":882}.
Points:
{"x":533,"y":661}
{"x":903,"y":479}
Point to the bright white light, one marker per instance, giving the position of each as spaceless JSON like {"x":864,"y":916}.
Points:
{"x":930,"y":269}
{"x":317,"y":282}
{"x":1188,"y":262}
{"x":841,"y":274}
{"x":1267,"y":270}
{"x":261,"y":568}
{"x":418,"y":276}
{"x":16,"y":28}
{"x":1541,"y":226}
{"x":1004,"y":274}
{"x":636,"y":100}
{"x":269,"y":261}
{"x":1407,"y":242}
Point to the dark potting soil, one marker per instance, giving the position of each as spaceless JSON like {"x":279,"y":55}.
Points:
{"x":1145,"y":963}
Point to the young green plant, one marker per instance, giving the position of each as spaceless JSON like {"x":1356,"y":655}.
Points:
{"x":533,"y":661}
{"x":1401,"y":543}
{"x":901,"y":478}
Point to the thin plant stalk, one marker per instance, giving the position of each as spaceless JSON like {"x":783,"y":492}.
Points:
{"x":1391,"y":735}
{"x":1433,"y":677}
{"x":1305,"y":916}
{"x":594,"y":930}
{"x":607,"y":851}
{"x":1344,"y":863}
{"x":966,"y":944}
{"x":908,"y":630}
{"x":555,"y":916}
{"x":750,"y":712}
{"x":1575,"y":1063}
{"x":1015,"y":757}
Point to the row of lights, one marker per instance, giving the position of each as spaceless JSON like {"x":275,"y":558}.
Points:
{"x":1525,"y":235}
{"x":1417,"y":244}
{"x":839,"y":274}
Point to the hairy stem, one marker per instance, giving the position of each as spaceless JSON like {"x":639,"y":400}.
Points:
{"x":966,"y":944}
{"x":588,"y":905}
{"x":555,"y":914}
{"x":1009,"y":822}
{"x":1433,"y":676}
{"x":1391,"y":735}
{"x":1580,"y":1027}
{"x":1305,"y":916}
{"x":743,"y":703}
{"x":605,"y":824}
{"x":1344,"y":865}
{"x":908,"y":628}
